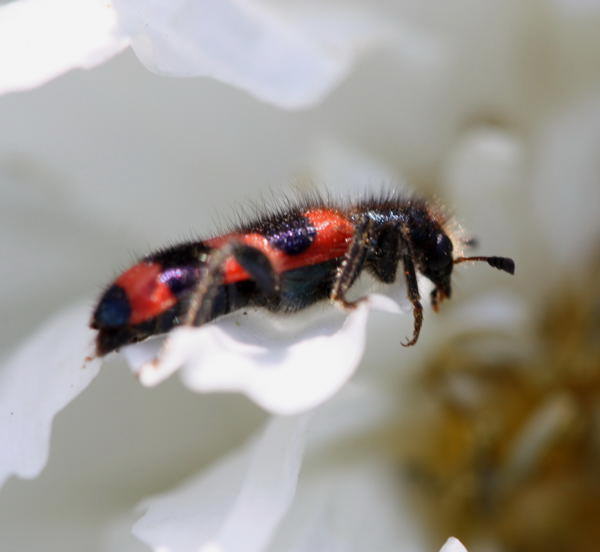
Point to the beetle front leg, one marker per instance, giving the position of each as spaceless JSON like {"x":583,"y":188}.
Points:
{"x":351,"y":265}
{"x":414,"y":297}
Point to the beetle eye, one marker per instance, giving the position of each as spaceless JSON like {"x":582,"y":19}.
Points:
{"x":444,"y":243}
{"x":443,"y":252}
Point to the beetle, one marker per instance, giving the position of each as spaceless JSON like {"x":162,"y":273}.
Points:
{"x":285,"y":261}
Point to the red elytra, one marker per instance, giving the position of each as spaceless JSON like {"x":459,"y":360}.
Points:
{"x":147,"y":295}
{"x":333,"y":233}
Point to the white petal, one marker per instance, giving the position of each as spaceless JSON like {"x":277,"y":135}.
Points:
{"x":350,"y":506}
{"x":290,"y":58}
{"x":566,"y":185}
{"x":578,"y":7}
{"x":484,"y":176}
{"x":282,"y":363}
{"x":453,"y":545}
{"x":343,"y":490}
{"x":497,"y":311}
{"x":40,"y":40}
{"x":210,"y":513}
{"x":38,"y":381}
{"x":348,"y":170}
{"x":237,"y":504}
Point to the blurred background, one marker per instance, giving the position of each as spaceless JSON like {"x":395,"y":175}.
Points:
{"x":495,"y":113}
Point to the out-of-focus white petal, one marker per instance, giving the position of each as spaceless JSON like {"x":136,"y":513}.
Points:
{"x":339,"y":494}
{"x":566,"y":184}
{"x":237,"y":504}
{"x":40,"y":379}
{"x":498,"y":311}
{"x":328,"y":512}
{"x":453,"y":545}
{"x":348,"y":171}
{"x":291,"y":58}
{"x":40,"y":40}
{"x":578,"y":7}
{"x":350,"y":506}
{"x":483,"y":176}
{"x":282,"y":363}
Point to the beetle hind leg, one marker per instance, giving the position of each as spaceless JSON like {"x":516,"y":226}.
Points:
{"x":251,"y":259}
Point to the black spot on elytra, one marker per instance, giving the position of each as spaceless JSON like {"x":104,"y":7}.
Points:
{"x":292,"y":235}
{"x":180,"y":279}
{"x":113,"y":310}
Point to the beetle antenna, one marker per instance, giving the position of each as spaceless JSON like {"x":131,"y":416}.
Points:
{"x":501,"y":263}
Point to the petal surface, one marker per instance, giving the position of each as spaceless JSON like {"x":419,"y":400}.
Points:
{"x":566,"y":190}
{"x":291,"y":58}
{"x":453,"y":545}
{"x":40,"y":379}
{"x":282,"y":363}
{"x":41,"y":40}
{"x":349,"y":483}
{"x":236,"y":505}
{"x":578,"y":7}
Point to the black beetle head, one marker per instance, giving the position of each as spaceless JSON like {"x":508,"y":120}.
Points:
{"x":432,"y":251}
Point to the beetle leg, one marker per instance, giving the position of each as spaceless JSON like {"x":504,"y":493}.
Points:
{"x":352,"y":264}
{"x":254,"y":261}
{"x":414,"y":297}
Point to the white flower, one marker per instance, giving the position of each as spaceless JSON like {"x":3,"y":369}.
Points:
{"x":245,"y":496}
{"x":250,"y":501}
{"x":284,"y":366}
{"x":332,"y":508}
{"x":41,"y":40}
{"x":111,"y":161}
{"x":285,"y":54}
{"x":34,"y":387}
{"x":281,"y":367}
{"x":453,"y":545}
